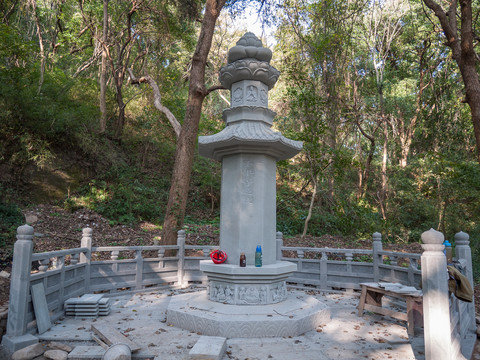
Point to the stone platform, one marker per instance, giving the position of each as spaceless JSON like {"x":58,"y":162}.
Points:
{"x":292,"y":317}
{"x":250,"y":285}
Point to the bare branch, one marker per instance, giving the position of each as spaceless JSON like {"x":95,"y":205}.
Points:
{"x":214,"y":88}
{"x":157,"y":100}
{"x":89,"y":62}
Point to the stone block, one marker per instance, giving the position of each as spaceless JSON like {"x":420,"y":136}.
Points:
{"x":14,"y":343}
{"x":56,"y":354}
{"x":59,"y":346}
{"x":42,"y":315}
{"x":208,"y":348}
{"x":29,"y":352}
{"x":96,"y":352}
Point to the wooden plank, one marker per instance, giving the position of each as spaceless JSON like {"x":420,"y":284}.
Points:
{"x":100,"y":342}
{"x":361,"y":304}
{"x":111,"y":336}
{"x":40,"y":307}
{"x":387,"y":312}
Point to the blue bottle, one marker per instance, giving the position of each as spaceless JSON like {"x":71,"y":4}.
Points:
{"x":258,"y":256}
{"x":448,"y":251}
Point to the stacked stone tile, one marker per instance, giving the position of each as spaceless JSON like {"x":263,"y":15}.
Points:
{"x":89,"y":305}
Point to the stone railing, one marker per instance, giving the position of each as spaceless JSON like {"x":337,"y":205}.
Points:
{"x":449,"y":323}
{"x":346,"y":269}
{"x":73,"y":272}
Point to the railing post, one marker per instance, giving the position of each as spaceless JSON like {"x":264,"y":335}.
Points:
{"x":300,"y":256}
{"x":463,"y":251}
{"x":139,"y":267}
{"x":87,"y":257}
{"x":181,"y":256}
{"x":324,"y":271}
{"x":377,"y":258}
{"x":279,"y":239}
{"x":16,"y":336}
{"x":436,"y":306}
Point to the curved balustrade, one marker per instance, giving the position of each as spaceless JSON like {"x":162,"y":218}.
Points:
{"x":110,"y":269}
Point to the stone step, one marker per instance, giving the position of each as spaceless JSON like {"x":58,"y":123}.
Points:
{"x":208,"y":348}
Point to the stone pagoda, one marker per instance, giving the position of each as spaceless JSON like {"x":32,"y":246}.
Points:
{"x":248,"y":301}
{"x":248,"y":148}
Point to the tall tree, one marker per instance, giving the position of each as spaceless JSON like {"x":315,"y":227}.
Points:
{"x":460,"y":37}
{"x":103,"y":70}
{"x":185,"y":148}
{"x":384,"y":24}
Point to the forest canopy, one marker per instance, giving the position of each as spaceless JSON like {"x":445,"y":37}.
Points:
{"x":374,"y":89}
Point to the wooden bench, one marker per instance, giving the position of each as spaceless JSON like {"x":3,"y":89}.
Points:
{"x":371,"y":300}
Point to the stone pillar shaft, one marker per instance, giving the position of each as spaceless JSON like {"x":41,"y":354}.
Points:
{"x":248,"y":207}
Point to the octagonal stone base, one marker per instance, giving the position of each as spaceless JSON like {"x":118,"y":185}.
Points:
{"x":296,"y":315}
{"x":250,"y":285}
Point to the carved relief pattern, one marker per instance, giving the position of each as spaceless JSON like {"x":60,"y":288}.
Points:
{"x":248,"y":173}
{"x":247,"y":294}
{"x":237,"y":95}
{"x":222,"y":293}
{"x":252,"y":93}
{"x":264,"y":96}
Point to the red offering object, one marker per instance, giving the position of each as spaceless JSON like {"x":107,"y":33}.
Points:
{"x":218,"y":256}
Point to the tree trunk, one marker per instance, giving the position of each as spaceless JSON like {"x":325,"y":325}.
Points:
{"x":103,"y":71}
{"x":463,"y":52}
{"x":363,"y":175}
{"x":43,"y":59}
{"x":310,"y":208}
{"x":383,"y":189}
{"x":121,"y":113}
{"x":185,"y":149}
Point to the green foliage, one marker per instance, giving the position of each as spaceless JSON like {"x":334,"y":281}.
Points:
{"x":124,"y":196}
{"x":10,"y":218}
{"x":204,"y":187}
{"x":328,"y":96}
{"x":31,"y":122}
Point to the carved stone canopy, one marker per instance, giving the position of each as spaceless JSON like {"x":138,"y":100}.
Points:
{"x":248,"y":137}
{"x":249,"y":60}
{"x":249,"y":46}
{"x":249,"y":76}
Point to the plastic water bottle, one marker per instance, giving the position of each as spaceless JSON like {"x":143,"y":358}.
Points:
{"x":448,"y":251}
{"x":258,"y":256}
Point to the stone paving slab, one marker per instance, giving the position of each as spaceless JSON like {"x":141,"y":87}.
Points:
{"x":40,"y":306}
{"x":346,"y":336}
{"x":96,"y":352}
{"x":208,"y":348}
